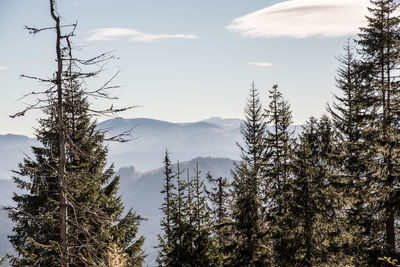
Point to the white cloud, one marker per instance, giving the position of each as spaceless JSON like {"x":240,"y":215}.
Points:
{"x":3,"y":68}
{"x":261,"y":64}
{"x":134,"y":35}
{"x":304,"y":18}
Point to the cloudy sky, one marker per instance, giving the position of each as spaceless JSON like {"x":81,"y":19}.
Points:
{"x":185,"y":60}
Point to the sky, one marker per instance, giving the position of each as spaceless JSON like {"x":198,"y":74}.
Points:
{"x":183,"y":60}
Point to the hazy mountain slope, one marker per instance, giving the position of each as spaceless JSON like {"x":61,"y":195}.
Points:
{"x":225,"y":123}
{"x":12,"y":150}
{"x":5,"y":230}
{"x":216,"y":137}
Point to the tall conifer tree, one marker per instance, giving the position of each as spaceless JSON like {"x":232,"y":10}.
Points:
{"x":204,"y":249}
{"x":250,"y":249}
{"x":277,"y":172}
{"x":313,"y":230}
{"x":380,"y":53}
{"x":96,"y":229}
{"x":350,"y":113}
{"x":166,"y":222}
{"x":220,"y":198}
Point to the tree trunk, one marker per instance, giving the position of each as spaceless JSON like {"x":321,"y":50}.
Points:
{"x":61,"y":143}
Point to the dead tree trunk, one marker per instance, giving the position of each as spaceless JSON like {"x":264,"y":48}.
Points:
{"x":61,"y":142}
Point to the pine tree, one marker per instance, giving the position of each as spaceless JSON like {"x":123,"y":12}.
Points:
{"x":380,"y":53}
{"x":93,"y":204}
{"x":166,"y":223}
{"x":350,"y":114}
{"x":314,"y":231}
{"x":190,"y":240}
{"x":249,"y":235}
{"x":277,"y":173}
{"x":204,"y":252}
{"x":180,"y":249}
{"x":219,"y":197}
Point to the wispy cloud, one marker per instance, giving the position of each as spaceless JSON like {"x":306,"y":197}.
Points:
{"x":3,"y":68}
{"x":261,"y":64}
{"x":303,"y":18}
{"x":133,"y":35}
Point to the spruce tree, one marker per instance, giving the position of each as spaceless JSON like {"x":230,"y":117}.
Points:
{"x":190,"y":239}
{"x":276,"y":175}
{"x":96,"y":228}
{"x":350,"y":113}
{"x":166,"y":222}
{"x":249,"y":245}
{"x":179,"y":254}
{"x":204,"y":252}
{"x":219,"y":197}
{"x":380,"y":54}
{"x":313,"y":234}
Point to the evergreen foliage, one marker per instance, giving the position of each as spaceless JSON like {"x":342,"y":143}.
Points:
{"x":350,"y":114}
{"x":277,"y":174}
{"x":380,"y":53}
{"x":314,"y":229}
{"x":189,"y":241}
{"x":250,"y":248}
{"x":166,"y":208}
{"x":97,"y":230}
{"x":220,"y":197}
{"x":204,"y":249}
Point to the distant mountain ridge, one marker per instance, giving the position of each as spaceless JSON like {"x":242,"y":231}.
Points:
{"x":214,"y":137}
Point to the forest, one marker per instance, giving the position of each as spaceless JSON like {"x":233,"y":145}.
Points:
{"x":328,"y":195}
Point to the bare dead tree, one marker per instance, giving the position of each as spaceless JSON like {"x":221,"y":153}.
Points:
{"x":61,"y":143}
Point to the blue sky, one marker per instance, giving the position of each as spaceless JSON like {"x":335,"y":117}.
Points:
{"x":184,"y":60}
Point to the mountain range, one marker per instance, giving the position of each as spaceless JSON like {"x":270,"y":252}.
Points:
{"x":214,"y":137}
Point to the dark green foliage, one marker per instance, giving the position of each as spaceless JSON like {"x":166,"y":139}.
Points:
{"x":249,"y":233}
{"x":379,"y":63}
{"x":314,"y":230}
{"x":166,"y":224}
{"x":189,"y":242}
{"x":204,"y":249}
{"x":179,"y":252}
{"x":220,"y":198}
{"x":97,"y":231}
{"x":350,"y":113}
{"x":277,"y":174}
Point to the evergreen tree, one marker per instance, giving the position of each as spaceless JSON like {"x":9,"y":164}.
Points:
{"x":180,"y":249}
{"x":314,"y":231}
{"x":249,"y":235}
{"x":190,"y":240}
{"x":350,"y":113}
{"x":277,"y":173}
{"x":96,"y":230}
{"x":204,"y":252}
{"x":380,"y":53}
{"x":219,"y":197}
{"x":166,"y":223}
